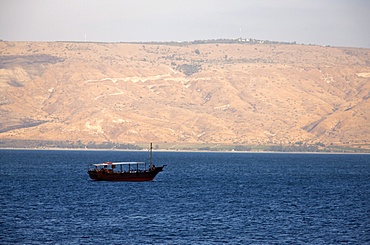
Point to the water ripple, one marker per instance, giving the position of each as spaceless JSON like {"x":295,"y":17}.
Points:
{"x":201,"y":198}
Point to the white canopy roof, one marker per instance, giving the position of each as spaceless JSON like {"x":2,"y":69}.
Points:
{"x":117,"y":163}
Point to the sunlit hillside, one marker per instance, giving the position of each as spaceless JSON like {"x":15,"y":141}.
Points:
{"x":213,"y":93}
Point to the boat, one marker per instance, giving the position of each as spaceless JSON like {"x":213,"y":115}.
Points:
{"x":124,"y":171}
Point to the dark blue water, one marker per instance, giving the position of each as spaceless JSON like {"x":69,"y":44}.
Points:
{"x":200,"y":198}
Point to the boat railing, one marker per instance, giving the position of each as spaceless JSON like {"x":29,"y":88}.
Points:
{"x":119,"y":167}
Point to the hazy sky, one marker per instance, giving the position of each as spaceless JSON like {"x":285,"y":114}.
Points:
{"x":324,"y":22}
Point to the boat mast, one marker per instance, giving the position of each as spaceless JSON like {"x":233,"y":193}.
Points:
{"x":151,"y":156}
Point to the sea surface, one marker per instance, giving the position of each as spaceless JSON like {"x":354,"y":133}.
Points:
{"x":46,"y":197}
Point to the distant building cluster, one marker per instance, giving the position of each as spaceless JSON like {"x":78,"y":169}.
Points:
{"x":223,"y":40}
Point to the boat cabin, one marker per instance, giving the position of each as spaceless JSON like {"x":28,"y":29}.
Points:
{"x":119,"y":167}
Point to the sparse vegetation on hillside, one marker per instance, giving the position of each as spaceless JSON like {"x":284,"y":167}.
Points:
{"x":188,"y":70}
{"x":248,"y":94}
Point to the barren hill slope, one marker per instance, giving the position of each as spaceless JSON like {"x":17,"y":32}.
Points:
{"x":206,"y":93}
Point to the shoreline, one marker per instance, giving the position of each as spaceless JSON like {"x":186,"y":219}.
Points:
{"x":185,"y":151}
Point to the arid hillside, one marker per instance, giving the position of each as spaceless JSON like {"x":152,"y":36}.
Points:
{"x":243,"y":94}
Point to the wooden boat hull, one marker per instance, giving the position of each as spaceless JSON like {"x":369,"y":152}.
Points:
{"x":147,"y":175}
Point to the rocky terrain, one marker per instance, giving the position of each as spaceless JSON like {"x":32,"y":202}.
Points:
{"x":185,"y":93}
